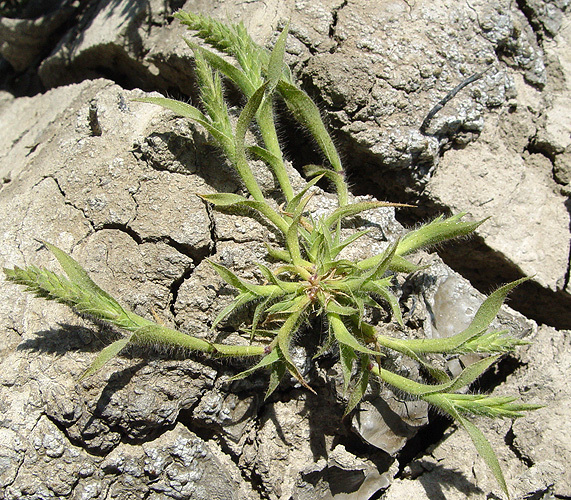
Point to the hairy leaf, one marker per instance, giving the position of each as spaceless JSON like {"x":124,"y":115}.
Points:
{"x":106,"y":355}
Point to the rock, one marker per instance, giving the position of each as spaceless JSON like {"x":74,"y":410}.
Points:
{"x":113,"y":182}
{"x":23,"y":41}
{"x":392,"y":64}
{"x":507,"y":190}
{"x":529,"y":462}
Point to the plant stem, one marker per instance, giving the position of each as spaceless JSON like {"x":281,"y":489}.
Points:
{"x":267,"y":126}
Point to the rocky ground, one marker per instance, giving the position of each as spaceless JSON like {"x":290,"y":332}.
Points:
{"x":113,"y":182}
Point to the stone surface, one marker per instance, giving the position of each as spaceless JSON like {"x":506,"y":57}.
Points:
{"x":114,"y":182}
{"x":534,"y":460}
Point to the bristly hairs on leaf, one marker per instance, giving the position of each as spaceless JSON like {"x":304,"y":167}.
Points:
{"x":310,"y":279}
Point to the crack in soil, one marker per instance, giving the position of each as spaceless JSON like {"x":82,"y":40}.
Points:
{"x":509,"y":439}
{"x":333,"y":26}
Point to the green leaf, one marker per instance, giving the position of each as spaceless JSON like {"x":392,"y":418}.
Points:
{"x":187,"y":111}
{"x":285,"y":335}
{"x":356,"y":208}
{"x":471,"y":373}
{"x":77,"y":275}
{"x":244,"y":120}
{"x":436,"y":232}
{"x":265,"y":362}
{"x":336,"y":308}
{"x":284,"y":306}
{"x":346,"y":357}
{"x":393,"y":302}
{"x":223,"y":199}
{"x":294,"y":203}
{"x":401,"y":265}
{"x":258,"y":313}
{"x":307,"y":113}
{"x":246,"y":117}
{"x":321,"y":171}
{"x":242,"y":300}
{"x":236,"y":75}
{"x":229,"y":277}
{"x":335,"y":250}
{"x":361,"y":385}
{"x":377,"y":272}
{"x":432,"y":393}
{"x":277,"y":372}
{"x":292,"y":241}
{"x":398,"y":264}
{"x":489,"y":309}
{"x":105,"y":355}
{"x":271,"y":159}
{"x":343,"y":336}
{"x":278,"y":254}
{"x":230,"y":200}
{"x":485,"y":450}
{"x":276,"y":63}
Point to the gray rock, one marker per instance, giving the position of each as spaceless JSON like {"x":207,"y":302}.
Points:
{"x":530,"y":464}
{"x":23,"y":41}
{"x":113,"y":182}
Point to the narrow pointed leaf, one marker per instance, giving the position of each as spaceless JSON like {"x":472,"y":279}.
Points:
{"x":398,"y":264}
{"x":361,"y":385}
{"x":377,"y":272}
{"x":392,"y":301}
{"x":283,"y":307}
{"x":246,"y":117}
{"x":241,"y":163}
{"x":319,"y":170}
{"x":485,"y":450}
{"x":346,"y":357}
{"x":276,"y":63}
{"x":277,"y":372}
{"x":284,"y":337}
{"x":307,"y":113}
{"x":401,"y":265}
{"x":242,"y":300}
{"x":188,"y":111}
{"x":293,"y":204}
{"x":335,"y":250}
{"x":471,"y":373}
{"x":223,"y":199}
{"x":269,"y":276}
{"x":437,"y":231}
{"x":335,"y":308}
{"x":356,"y":208}
{"x":490,"y":308}
{"x":236,"y":75}
{"x":272,"y":160}
{"x":343,"y":336}
{"x":229,"y":276}
{"x":77,"y":275}
{"x":258,"y":313}
{"x":292,"y":240}
{"x":278,"y":253}
{"x":105,"y":355}
{"x":265,"y":362}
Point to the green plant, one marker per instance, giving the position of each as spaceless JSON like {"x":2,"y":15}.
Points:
{"x":311,"y":278}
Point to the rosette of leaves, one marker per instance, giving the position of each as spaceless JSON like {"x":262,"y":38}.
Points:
{"x":310,"y":279}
